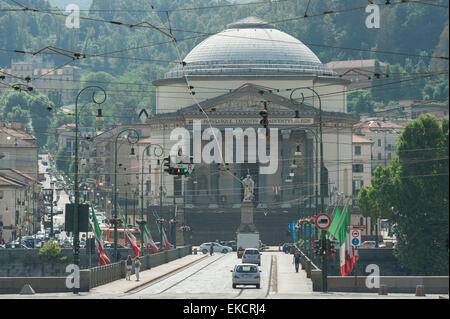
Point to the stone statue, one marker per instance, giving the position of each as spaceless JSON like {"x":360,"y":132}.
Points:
{"x":249,"y":186}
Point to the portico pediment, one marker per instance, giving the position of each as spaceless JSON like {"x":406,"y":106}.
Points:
{"x":248,"y":101}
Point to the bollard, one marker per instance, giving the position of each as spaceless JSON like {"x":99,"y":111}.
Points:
{"x":420,"y":290}
{"x":383,"y":290}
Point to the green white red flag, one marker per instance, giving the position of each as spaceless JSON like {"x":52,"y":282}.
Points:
{"x":165,"y":242}
{"x":102,"y":258}
{"x":130,"y":236}
{"x":148,"y":240}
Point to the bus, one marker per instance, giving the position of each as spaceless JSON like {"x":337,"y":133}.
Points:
{"x":108,"y":235}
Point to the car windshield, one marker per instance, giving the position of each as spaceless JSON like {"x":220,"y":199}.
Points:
{"x":251,"y":252}
{"x":246,"y":268}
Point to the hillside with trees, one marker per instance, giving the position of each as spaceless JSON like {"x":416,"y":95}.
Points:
{"x":125,"y":60}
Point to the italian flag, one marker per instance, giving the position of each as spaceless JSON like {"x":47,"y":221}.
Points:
{"x":340,"y":230}
{"x":130,"y":236}
{"x":102,"y":258}
{"x":148,"y":239}
{"x":165,"y":242}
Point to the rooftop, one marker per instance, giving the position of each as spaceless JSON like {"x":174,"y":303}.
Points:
{"x":250,"y":47}
{"x":360,"y":139}
{"x":348,"y":64}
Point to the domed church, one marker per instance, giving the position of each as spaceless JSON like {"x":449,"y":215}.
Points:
{"x":224,"y":83}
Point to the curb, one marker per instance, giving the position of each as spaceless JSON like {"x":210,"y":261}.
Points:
{"x":164,"y":275}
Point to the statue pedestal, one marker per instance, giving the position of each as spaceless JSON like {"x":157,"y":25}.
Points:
{"x":247,"y":225}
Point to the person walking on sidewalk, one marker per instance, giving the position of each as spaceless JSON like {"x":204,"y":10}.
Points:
{"x":137,"y":267}
{"x":128,"y":265}
{"x":296,"y":259}
{"x":211,"y":249}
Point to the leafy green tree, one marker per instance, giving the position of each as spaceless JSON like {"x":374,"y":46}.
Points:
{"x":413,"y":193}
{"x":360,"y":101}
{"x":52,"y":253}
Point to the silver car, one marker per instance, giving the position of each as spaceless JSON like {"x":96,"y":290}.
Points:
{"x":251,"y":256}
{"x":246,"y":274}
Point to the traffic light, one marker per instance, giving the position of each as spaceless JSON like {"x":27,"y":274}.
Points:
{"x":166,"y":163}
{"x":181,"y":165}
{"x":317,"y":246}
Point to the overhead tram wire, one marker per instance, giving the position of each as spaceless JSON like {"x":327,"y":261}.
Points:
{"x":273,"y":22}
{"x":431,"y":74}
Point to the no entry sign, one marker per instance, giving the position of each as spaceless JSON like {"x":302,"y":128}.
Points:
{"x":323,"y":221}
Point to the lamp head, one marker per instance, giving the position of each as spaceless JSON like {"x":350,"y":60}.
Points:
{"x":99,"y":117}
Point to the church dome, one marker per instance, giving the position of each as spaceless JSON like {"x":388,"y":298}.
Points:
{"x":250,"y":47}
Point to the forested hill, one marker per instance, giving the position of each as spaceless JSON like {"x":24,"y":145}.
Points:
{"x":407,"y":27}
{"x":125,"y":60}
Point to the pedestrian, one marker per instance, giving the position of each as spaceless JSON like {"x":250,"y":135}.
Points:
{"x":211,"y":249}
{"x":137,"y":267}
{"x":296,"y":259}
{"x":129,"y":264}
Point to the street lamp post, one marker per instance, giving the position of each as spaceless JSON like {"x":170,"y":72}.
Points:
{"x":322,"y":184}
{"x":160,"y":154}
{"x":131,"y":140}
{"x":76,"y":243}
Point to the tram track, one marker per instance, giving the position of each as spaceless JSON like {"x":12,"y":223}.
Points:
{"x":165,"y":277}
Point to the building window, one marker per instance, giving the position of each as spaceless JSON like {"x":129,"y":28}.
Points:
{"x":357,"y":185}
{"x":379,"y":156}
{"x":389,"y":156}
{"x":358,"y":168}
{"x":379,"y":143}
{"x":357,"y":150}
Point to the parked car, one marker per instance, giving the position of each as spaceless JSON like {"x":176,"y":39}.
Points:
{"x":160,"y":246}
{"x":30,"y":242}
{"x":108,"y":244}
{"x":232,"y":244}
{"x":217,"y":248}
{"x":246,"y":274}
{"x":368,"y":244}
{"x":251,"y":256}
{"x":2,"y":246}
{"x":59,"y":211}
{"x":287,"y":247}
{"x":15,"y":245}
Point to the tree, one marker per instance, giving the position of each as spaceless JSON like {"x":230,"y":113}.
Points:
{"x":52,"y":253}
{"x":360,"y":101}
{"x":413,"y":193}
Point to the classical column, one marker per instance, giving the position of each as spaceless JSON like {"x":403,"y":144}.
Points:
{"x":214,"y":183}
{"x":237,"y":185}
{"x":285,"y":155}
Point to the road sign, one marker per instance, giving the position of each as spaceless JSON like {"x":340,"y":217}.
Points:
{"x":323,"y":221}
{"x":356,"y":237}
{"x":190,"y":168}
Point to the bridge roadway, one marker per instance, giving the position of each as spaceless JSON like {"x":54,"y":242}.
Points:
{"x":209,"y":277}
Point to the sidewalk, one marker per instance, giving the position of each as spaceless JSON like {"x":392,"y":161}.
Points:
{"x":122,"y":286}
{"x":288,"y":281}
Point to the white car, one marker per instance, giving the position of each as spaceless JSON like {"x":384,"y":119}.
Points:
{"x":218,"y":248}
{"x":246,"y":274}
{"x":251,"y":256}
